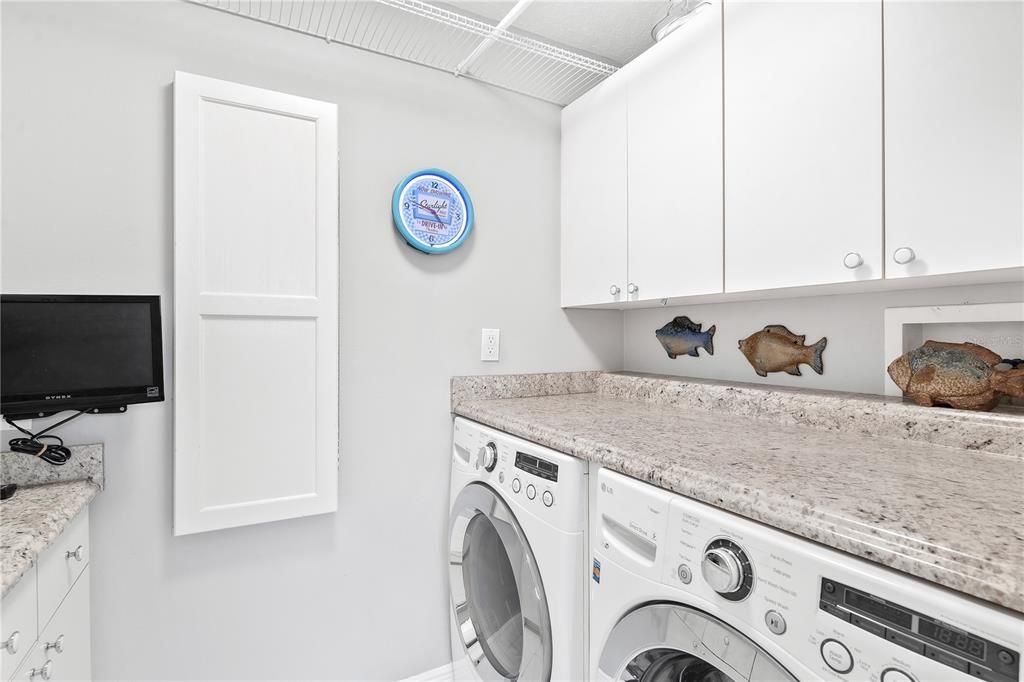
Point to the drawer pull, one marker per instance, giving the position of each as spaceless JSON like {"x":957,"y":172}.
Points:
{"x":45,"y":672}
{"x":11,"y":643}
{"x":77,"y":555}
{"x":57,"y":645}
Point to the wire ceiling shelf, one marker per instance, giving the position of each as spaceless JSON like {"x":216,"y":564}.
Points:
{"x":429,"y":35}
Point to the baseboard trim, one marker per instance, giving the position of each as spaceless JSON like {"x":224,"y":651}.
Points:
{"x":440,"y":674}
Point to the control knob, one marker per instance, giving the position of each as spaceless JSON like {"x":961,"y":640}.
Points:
{"x":727,"y":570}
{"x":487,"y":457}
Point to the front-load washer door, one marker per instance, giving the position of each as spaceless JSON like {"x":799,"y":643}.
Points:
{"x":501,"y":612}
{"x":663,"y":642}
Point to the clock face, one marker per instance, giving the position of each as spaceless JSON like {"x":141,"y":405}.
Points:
{"x":432,"y":210}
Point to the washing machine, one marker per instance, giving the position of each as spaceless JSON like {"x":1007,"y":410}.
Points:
{"x":687,"y":592}
{"x":517,"y":559}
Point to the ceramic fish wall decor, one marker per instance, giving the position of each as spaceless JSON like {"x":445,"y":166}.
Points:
{"x":682,"y":336}
{"x":776,"y":349}
{"x":958,"y":375}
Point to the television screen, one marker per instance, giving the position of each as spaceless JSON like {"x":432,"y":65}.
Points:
{"x":79,"y":352}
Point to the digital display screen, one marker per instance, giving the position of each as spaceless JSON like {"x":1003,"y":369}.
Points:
{"x":878,"y":608}
{"x":537,"y":466}
{"x":954,"y":639}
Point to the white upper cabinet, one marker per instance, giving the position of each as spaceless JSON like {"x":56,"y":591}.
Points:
{"x":803,"y":143}
{"x":594,"y":197}
{"x":675,"y":162}
{"x":954,"y":149}
{"x":256,"y":305}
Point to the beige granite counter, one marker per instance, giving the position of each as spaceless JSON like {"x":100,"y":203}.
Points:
{"x":33,"y":518}
{"x":48,"y":498}
{"x":951,"y":515}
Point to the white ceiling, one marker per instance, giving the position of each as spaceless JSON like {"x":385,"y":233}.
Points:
{"x":612,"y":30}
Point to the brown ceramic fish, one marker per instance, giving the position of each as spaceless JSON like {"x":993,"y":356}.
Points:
{"x":958,"y":375}
{"x":776,"y":349}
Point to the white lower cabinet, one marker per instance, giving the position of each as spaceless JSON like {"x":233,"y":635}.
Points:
{"x":55,"y":594}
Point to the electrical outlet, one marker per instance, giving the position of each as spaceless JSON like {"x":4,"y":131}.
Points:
{"x":490,"y":341}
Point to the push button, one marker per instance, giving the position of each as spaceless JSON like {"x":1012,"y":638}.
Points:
{"x":945,"y":658}
{"x":548,"y":498}
{"x":775,"y":622}
{"x":835,"y":610}
{"x":837,"y":656}
{"x":516,"y":485}
{"x":531,"y":492}
{"x":869,"y":625}
{"x":904,"y":641}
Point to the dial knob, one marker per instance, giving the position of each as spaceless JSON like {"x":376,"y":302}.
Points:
{"x":488,"y":457}
{"x":727,"y":570}
{"x":722,"y":570}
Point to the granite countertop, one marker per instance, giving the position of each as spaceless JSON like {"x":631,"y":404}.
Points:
{"x":33,"y":518}
{"x":951,"y":515}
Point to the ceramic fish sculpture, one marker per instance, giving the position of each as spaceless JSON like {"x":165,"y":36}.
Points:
{"x":682,"y":336}
{"x":776,"y":349}
{"x":958,"y":375}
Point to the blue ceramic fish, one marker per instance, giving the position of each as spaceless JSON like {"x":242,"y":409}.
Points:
{"x":682,"y":336}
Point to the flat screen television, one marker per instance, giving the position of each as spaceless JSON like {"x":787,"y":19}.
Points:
{"x":92,"y":353}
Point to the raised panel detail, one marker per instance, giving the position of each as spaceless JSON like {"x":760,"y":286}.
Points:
{"x":259,"y":216}
{"x":271,"y":382}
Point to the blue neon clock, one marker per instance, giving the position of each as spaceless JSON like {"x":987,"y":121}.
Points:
{"x":432,"y":211}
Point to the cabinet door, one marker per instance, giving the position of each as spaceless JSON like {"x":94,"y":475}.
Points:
{"x":803,"y":143}
{"x":18,"y":624}
{"x":594,"y":196}
{"x":65,"y":641}
{"x":954,"y":147}
{"x":675,"y":162}
{"x":256,"y":305}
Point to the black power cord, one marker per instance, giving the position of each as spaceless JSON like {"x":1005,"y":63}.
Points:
{"x":55,"y":454}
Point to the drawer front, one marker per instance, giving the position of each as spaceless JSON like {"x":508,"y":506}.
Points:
{"x":61,"y":564}
{"x":65,"y":641}
{"x":19,"y":625}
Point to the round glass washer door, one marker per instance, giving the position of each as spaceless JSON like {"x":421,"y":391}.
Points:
{"x":498,"y":599}
{"x":671,"y":642}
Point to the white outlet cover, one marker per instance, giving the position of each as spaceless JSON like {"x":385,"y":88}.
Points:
{"x":490,"y":345}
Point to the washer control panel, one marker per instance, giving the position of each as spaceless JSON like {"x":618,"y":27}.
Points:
{"x":945,"y":643}
{"x":825,"y":615}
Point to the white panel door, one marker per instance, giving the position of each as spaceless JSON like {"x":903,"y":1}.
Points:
{"x":594,"y":196}
{"x":256,"y":305}
{"x":803,"y":142}
{"x":675,"y":162}
{"x":954,"y":146}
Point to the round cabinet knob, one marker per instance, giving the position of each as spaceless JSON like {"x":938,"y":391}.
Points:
{"x":487,"y":457}
{"x":632,"y":288}
{"x":531,"y":492}
{"x":896,"y":675}
{"x":11,"y":643}
{"x":44,"y":672}
{"x":77,"y":555}
{"x":57,"y":645}
{"x":837,"y":656}
{"x":903,"y":255}
{"x":548,"y":498}
{"x":614,"y":290}
{"x":516,"y":485}
{"x":722,"y":570}
{"x":852,"y":260}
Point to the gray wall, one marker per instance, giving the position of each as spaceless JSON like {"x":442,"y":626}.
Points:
{"x":853,"y":324}
{"x":360,"y":594}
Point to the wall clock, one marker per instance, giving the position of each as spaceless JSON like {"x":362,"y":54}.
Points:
{"x":432,"y":211}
